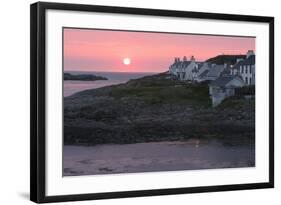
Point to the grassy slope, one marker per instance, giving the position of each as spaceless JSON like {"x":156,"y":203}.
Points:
{"x":229,"y":59}
{"x":164,"y":91}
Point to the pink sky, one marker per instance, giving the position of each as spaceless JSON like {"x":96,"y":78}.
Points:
{"x":102,"y":50}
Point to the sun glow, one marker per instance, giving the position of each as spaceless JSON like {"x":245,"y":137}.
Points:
{"x":127,"y":61}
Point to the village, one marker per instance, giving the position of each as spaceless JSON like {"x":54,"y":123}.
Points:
{"x":223,"y":79}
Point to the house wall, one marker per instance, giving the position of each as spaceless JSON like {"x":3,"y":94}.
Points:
{"x":194,"y":75}
{"x":210,"y":90}
{"x":247,"y":72}
{"x":188,"y":71}
{"x":183,"y":73}
{"x":218,"y":94}
{"x":229,"y":92}
{"x":234,"y":72}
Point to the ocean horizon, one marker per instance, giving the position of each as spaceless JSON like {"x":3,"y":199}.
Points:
{"x":71,"y":87}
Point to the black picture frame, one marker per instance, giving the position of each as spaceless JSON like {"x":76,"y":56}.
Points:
{"x":38,"y":100}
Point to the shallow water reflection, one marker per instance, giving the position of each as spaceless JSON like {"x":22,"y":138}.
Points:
{"x":156,"y":156}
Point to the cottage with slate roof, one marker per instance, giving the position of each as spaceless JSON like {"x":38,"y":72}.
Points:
{"x":184,"y":69}
{"x":224,"y":87}
{"x":194,"y":71}
{"x":215,"y":72}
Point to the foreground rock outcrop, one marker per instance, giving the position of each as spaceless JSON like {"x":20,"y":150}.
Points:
{"x":155,"y":108}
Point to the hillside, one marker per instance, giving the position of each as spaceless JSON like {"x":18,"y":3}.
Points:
{"x":154,"y":108}
{"x":222,"y":59}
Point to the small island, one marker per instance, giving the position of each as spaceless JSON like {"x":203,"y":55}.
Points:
{"x":83,"y":77}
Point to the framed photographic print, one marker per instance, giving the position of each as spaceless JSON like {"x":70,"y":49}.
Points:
{"x":129,"y":102}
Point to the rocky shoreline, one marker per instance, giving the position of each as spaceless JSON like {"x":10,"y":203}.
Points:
{"x":153,"y":109}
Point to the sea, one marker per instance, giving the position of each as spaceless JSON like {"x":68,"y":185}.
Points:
{"x":155,"y":157}
{"x":114,"y":78}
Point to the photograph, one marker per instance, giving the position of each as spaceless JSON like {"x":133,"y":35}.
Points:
{"x":143,"y":101}
{"x":134,"y":102}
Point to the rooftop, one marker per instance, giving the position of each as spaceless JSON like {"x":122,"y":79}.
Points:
{"x":215,"y":70}
{"x":223,"y":81}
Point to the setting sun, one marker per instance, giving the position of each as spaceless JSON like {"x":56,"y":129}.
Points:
{"x":127,"y":61}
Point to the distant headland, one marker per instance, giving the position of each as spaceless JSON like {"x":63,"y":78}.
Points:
{"x":82,"y":77}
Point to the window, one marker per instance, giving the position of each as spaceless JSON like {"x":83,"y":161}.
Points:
{"x":250,"y":81}
{"x":246,"y":80}
{"x":246,"y":70}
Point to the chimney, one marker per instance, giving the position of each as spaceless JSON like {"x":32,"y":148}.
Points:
{"x":192,"y":58}
{"x":184,"y":58}
{"x":250,"y":53}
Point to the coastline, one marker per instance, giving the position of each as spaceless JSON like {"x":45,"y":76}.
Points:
{"x":114,"y":78}
{"x":152,"y":109}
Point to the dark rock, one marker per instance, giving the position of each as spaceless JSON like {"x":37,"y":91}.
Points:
{"x":82,"y":77}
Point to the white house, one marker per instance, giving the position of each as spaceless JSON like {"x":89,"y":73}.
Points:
{"x":224,"y":87}
{"x":193,"y":71}
{"x":246,"y":68}
{"x":183,"y":69}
